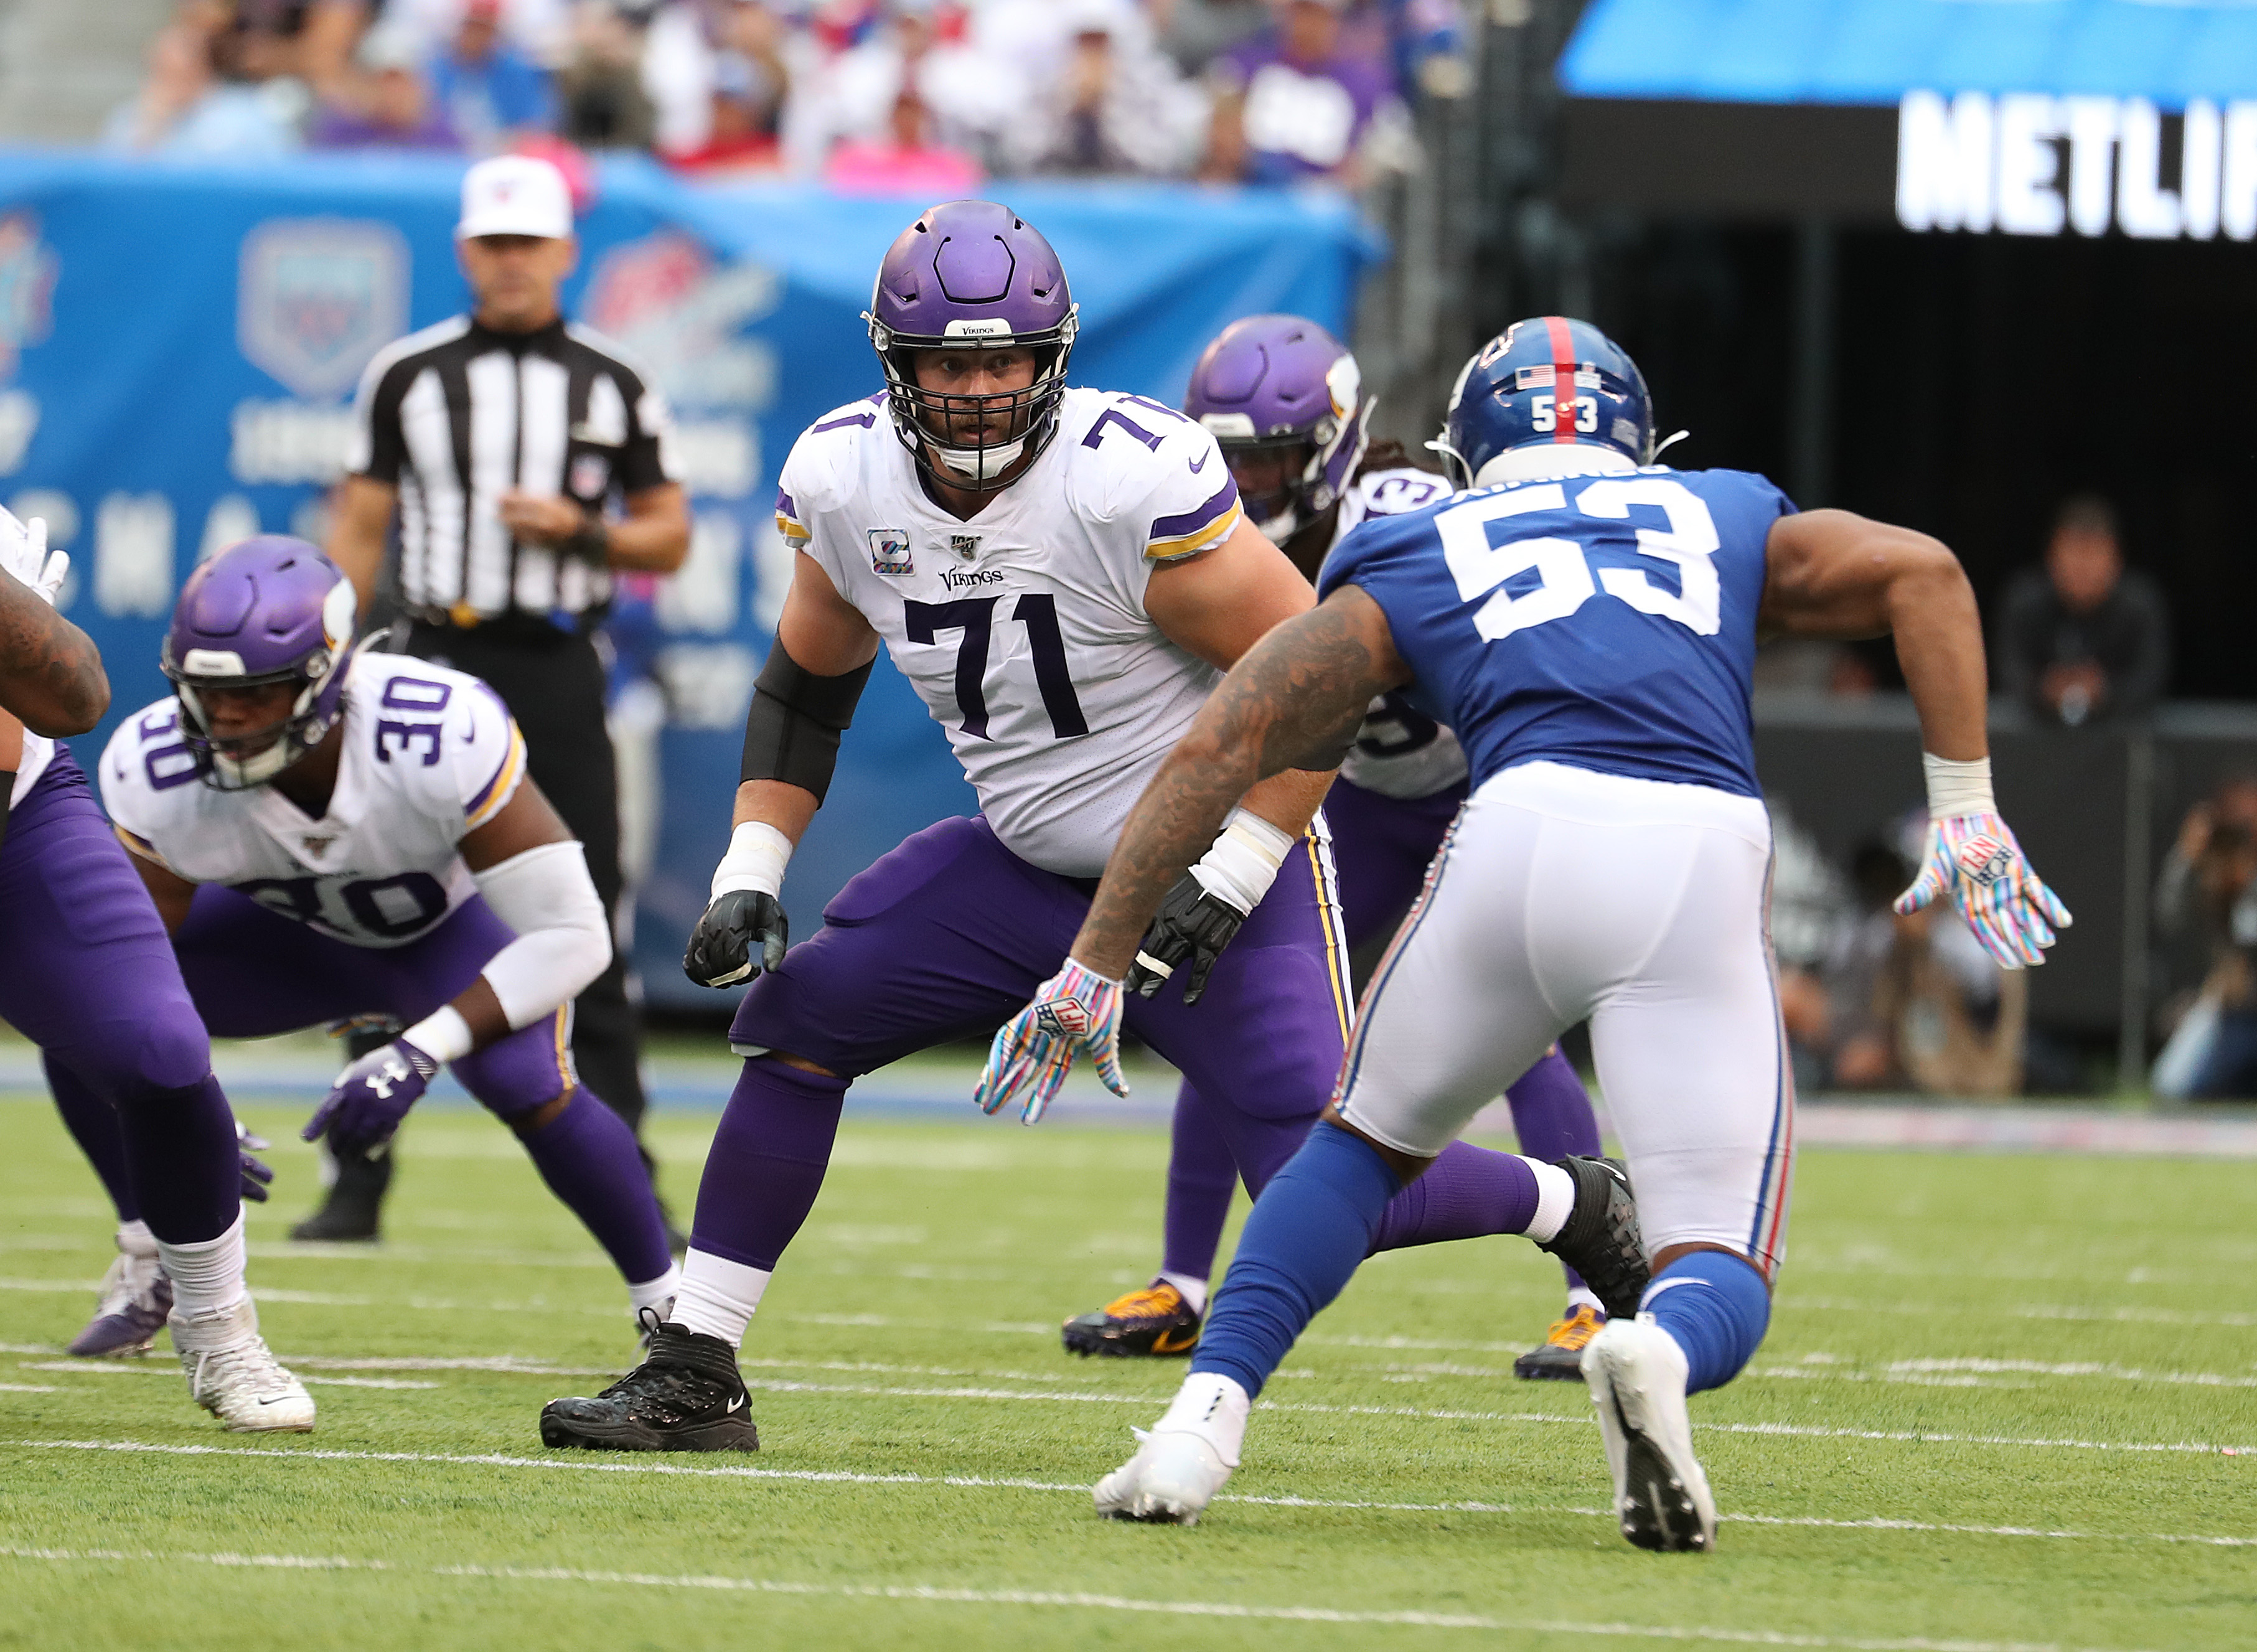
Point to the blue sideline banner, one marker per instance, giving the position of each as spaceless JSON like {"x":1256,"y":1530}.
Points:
{"x":179,"y":346}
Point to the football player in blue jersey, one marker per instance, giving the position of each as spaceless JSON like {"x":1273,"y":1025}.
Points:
{"x":1284,"y":400}
{"x":1586,"y":621}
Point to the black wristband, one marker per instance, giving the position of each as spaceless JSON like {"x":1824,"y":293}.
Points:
{"x":792,"y":728}
{"x":591,"y":541}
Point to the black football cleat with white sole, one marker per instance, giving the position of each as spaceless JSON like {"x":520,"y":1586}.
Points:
{"x":1153,"y":1322}
{"x":685,"y":1396}
{"x":1600,"y":1238}
{"x":1559,"y":1358}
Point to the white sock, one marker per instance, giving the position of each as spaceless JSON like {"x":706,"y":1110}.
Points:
{"x":1214,"y":1407}
{"x":1555,"y":1201}
{"x":134,"y":1239}
{"x":655,"y":1293}
{"x":1192,"y":1290}
{"x":207,"y":1275}
{"x":1584,"y":1296}
{"x":717,"y":1297}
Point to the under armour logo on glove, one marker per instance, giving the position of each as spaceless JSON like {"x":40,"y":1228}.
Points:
{"x":370,"y":1098}
{"x":1976,"y":860}
{"x":1075,"y":1009}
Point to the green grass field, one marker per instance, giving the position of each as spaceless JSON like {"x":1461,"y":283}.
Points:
{"x":2005,"y":1402}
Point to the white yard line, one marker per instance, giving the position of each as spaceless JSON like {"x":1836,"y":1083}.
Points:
{"x":972,"y":1482}
{"x":166,"y":1368}
{"x":933,"y":1594}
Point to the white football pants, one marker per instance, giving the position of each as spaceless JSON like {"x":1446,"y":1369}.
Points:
{"x":1562,"y":893}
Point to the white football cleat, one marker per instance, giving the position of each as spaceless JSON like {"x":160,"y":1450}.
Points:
{"x":233,"y":1375}
{"x":1185,"y":1459}
{"x":1637,"y":1376}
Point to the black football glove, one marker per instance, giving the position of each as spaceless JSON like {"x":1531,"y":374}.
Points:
{"x":1192,"y":924}
{"x":742,"y":933}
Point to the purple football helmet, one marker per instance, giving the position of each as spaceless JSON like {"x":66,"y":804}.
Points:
{"x":1281,"y":385}
{"x":272,"y":609}
{"x":971,"y":274}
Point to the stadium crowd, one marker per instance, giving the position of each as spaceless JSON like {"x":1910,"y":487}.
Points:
{"x":919,"y":95}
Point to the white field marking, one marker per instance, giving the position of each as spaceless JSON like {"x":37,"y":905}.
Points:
{"x":27,"y":1387}
{"x":165,"y":1368}
{"x":972,"y":1482}
{"x":2027,"y":1310}
{"x":934,"y":1595}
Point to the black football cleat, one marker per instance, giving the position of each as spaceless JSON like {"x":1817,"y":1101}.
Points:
{"x":1559,"y":1358}
{"x":1600,"y":1239}
{"x":686,"y":1396}
{"x":1151,"y":1322}
{"x":354,"y":1209}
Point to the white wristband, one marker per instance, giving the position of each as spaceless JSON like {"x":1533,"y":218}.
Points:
{"x":755,"y":861}
{"x":1958,"y":788}
{"x":1244,"y":861}
{"x":443,"y":1035}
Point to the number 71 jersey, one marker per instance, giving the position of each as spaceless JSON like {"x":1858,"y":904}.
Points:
{"x":1023,"y":629}
{"x":1605,"y":621}
{"x":429,"y":756}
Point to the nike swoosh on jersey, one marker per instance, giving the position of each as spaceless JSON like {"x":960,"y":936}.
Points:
{"x":1196,"y":464}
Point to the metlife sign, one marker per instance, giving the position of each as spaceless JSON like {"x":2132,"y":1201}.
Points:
{"x":2025,"y":163}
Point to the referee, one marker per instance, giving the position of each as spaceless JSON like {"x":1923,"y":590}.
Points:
{"x":500,"y":439}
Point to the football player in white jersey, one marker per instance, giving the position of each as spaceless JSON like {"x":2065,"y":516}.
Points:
{"x":1062,"y":574}
{"x":333,"y":835}
{"x":1284,"y":400}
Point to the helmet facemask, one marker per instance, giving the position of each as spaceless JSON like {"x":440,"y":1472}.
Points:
{"x":926,"y":421}
{"x":237,"y":762}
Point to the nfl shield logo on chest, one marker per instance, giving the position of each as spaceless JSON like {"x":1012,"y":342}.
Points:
{"x":889,"y":551}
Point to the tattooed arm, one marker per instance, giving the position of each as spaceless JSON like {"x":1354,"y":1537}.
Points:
{"x":1293,"y":701}
{"x":50,"y":676}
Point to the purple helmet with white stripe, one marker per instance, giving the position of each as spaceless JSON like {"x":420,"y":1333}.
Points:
{"x":272,"y":609}
{"x":972,"y":275}
{"x":1281,"y":385}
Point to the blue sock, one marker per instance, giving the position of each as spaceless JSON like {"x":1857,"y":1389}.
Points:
{"x":1715,"y":1308}
{"x":1309,"y":1227}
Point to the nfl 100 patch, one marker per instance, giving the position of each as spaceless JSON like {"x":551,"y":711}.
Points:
{"x":889,"y":551}
{"x":966,"y":546}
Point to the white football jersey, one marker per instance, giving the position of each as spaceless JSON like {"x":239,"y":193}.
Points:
{"x":1024,"y":628}
{"x":429,"y":754}
{"x":1399,"y":752}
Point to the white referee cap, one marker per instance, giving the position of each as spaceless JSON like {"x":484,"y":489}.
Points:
{"x":515,"y":195}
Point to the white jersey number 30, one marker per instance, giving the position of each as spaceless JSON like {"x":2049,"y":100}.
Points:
{"x":1566,"y":578}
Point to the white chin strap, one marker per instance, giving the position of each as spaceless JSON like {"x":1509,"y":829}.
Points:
{"x":256,"y":769}
{"x":1281,"y":527}
{"x":1541,"y":461}
{"x":978,"y":464}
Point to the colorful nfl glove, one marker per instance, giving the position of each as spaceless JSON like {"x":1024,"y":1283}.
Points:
{"x":255,"y":1171}
{"x":371,"y":1097}
{"x":23,"y":552}
{"x":1974,"y":857}
{"x":1075,"y":1009}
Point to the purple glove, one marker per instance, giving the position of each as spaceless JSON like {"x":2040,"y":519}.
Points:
{"x":371,"y":1097}
{"x":255,"y":1171}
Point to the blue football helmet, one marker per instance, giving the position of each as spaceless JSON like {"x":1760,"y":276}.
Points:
{"x":1508,"y":396}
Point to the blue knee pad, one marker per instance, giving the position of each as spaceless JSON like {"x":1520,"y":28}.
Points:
{"x":1717,"y":1307}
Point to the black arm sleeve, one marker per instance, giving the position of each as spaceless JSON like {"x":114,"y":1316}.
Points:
{"x":791,"y":733}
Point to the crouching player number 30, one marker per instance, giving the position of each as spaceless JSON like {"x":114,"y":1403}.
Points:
{"x":1586,"y":621}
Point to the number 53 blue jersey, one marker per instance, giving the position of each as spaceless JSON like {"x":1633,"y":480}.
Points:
{"x":1604,"y":621}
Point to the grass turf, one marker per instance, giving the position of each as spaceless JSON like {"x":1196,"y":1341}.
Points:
{"x":1931,"y":1450}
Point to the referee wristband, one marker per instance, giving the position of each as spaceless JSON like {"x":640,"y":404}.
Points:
{"x":1958,"y":788}
{"x":591,"y":541}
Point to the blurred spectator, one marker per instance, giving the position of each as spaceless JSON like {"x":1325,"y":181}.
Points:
{"x":390,"y":108}
{"x":539,"y":30}
{"x":1113,"y":104}
{"x":2085,"y":640}
{"x":964,"y":93}
{"x":600,"y":90}
{"x":1293,"y":105}
{"x":223,"y":80}
{"x":487,"y":91}
{"x":1195,"y":33}
{"x":909,"y":159}
{"x":2206,"y":884}
{"x":742,"y":134}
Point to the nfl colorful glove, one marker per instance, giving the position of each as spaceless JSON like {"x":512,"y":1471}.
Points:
{"x":255,"y":1171}
{"x":1075,"y":1009}
{"x":371,"y":1097}
{"x":1975,"y":860}
{"x":23,"y":552}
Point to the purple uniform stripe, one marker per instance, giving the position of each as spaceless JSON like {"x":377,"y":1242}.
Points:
{"x":786,"y":506}
{"x":1191,"y":521}
{"x":509,"y":751}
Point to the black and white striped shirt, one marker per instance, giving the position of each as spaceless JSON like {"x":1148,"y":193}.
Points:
{"x":458,"y":414}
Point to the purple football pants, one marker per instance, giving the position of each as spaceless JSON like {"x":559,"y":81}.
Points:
{"x":947,"y":937}
{"x":1382,"y":847}
{"x":252,"y":973}
{"x":86,"y":974}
